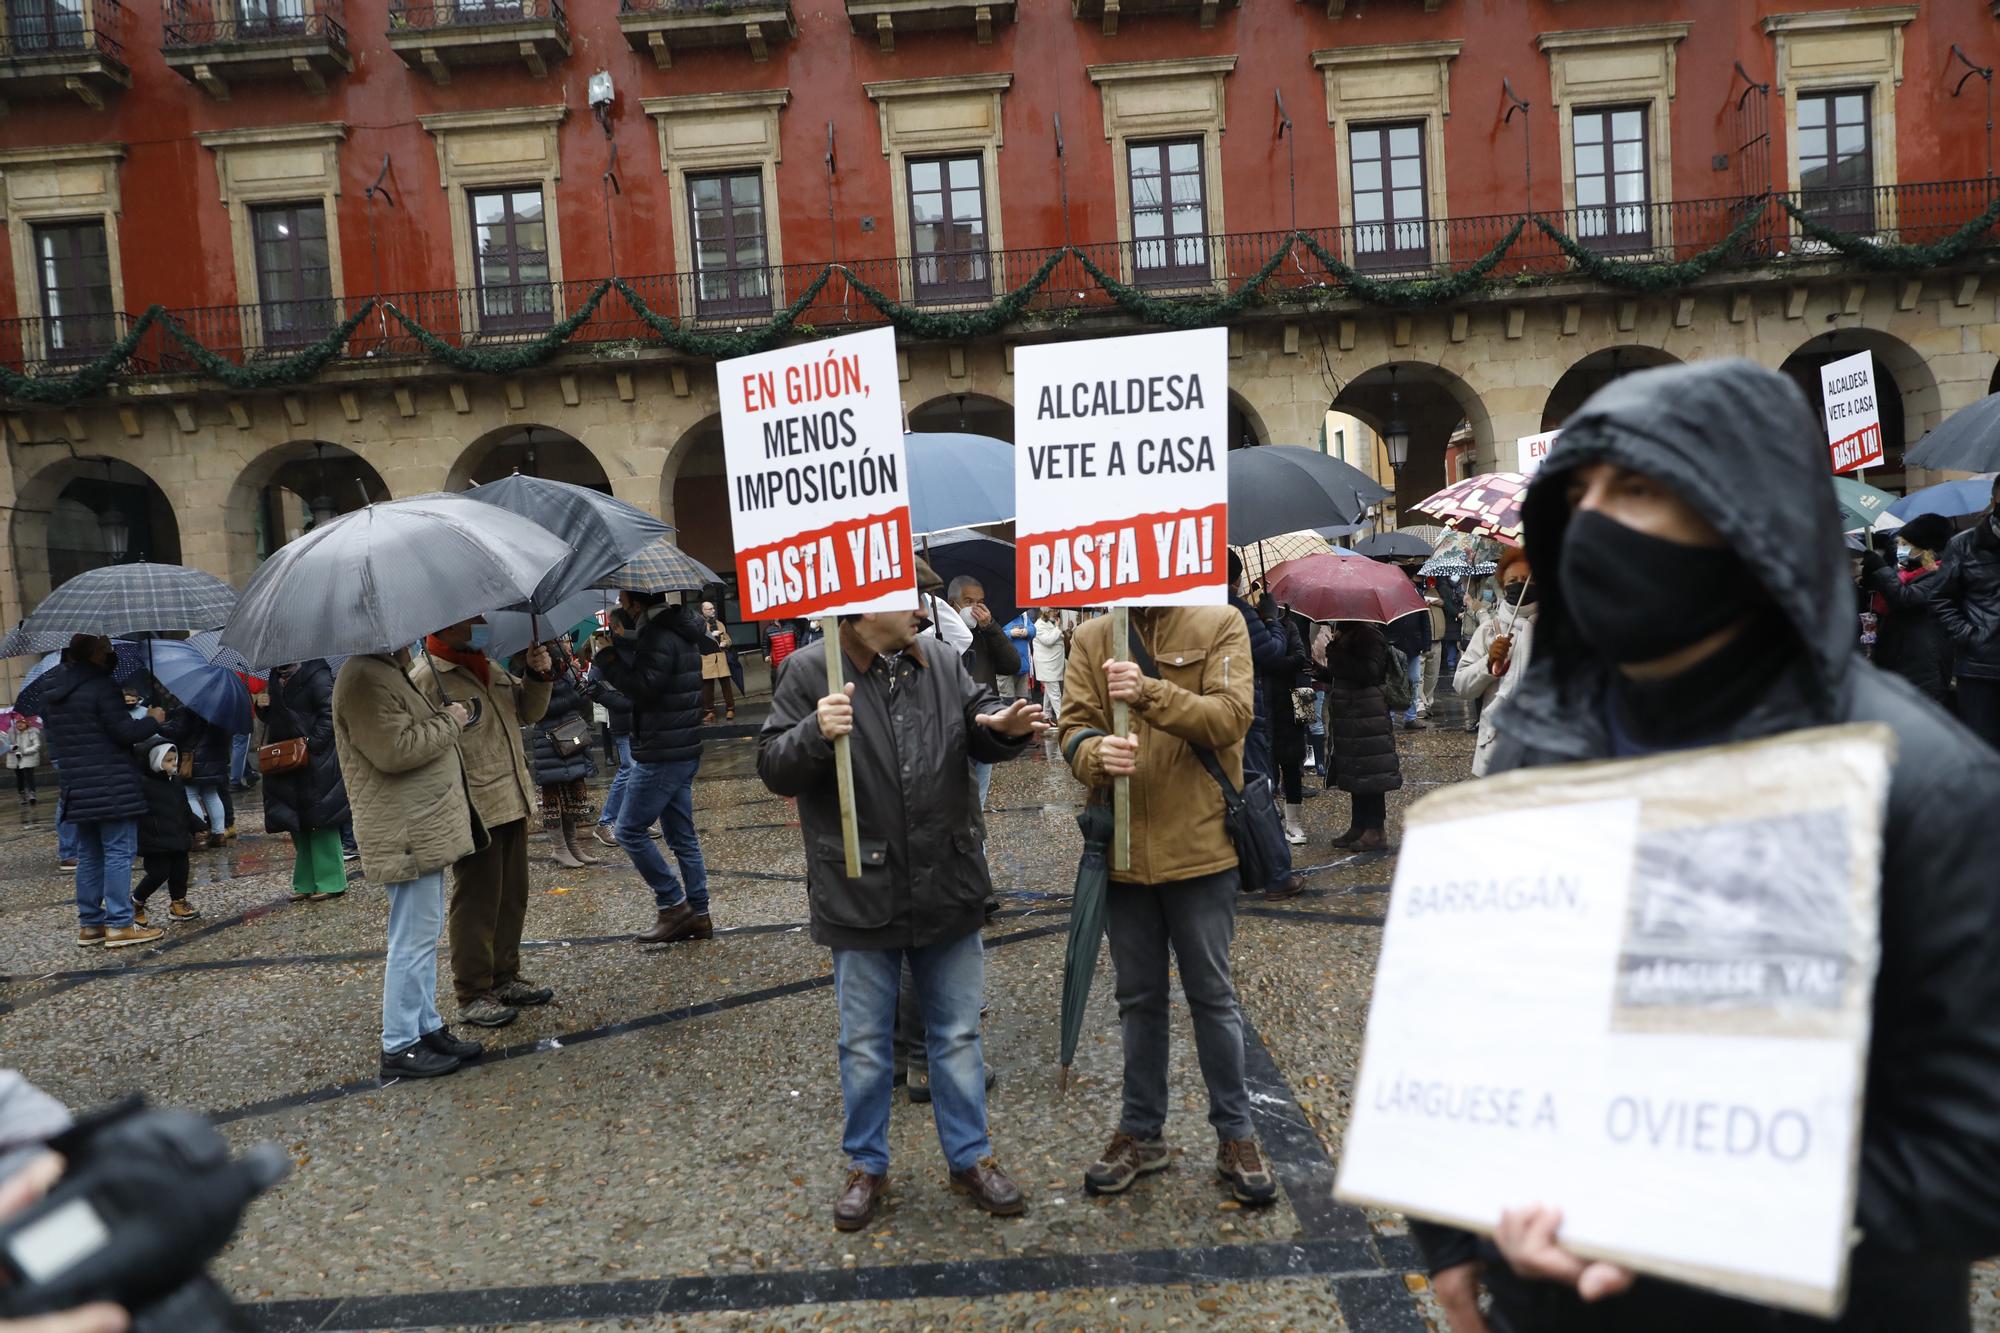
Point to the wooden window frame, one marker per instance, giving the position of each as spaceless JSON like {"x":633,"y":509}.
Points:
{"x":1611,"y":240}
{"x":951,"y":274}
{"x":1180,"y":272}
{"x":1824,"y":203}
{"x":298,"y":319}
{"x":519,"y":318}
{"x":1390,"y":257}
{"x":95,"y":330}
{"x":737,"y":301}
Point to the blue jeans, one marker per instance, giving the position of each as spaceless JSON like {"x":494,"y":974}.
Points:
{"x":951,"y":983}
{"x":239,"y":758}
{"x":104,"y":872}
{"x":205,"y":799}
{"x":410,"y":975}
{"x":614,"y":799}
{"x":1416,"y":670}
{"x":982,"y":778}
{"x":664,"y":792}
{"x":67,"y":841}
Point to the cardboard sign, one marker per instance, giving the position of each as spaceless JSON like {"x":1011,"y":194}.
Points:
{"x":1121,"y":478}
{"x":1853,"y":417}
{"x":818,"y":485}
{"x":1532,"y":450}
{"x":1638,"y":992}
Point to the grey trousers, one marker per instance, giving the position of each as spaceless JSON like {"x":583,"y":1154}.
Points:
{"x":1197,"y":917}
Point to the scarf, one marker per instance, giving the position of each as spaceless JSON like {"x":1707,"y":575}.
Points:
{"x":476,"y":663}
{"x":1702,"y":702}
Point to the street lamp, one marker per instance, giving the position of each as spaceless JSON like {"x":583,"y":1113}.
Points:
{"x":117,"y":533}
{"x":1395,"y":434}
{"x":321,"y":507}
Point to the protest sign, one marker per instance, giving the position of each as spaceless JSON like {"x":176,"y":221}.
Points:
{"x":1853,"y":417}
{"x":818,"y":487}
{"x":1121,"y":483}
{"x":1638,"y":992}
{"x":1532,"y":450}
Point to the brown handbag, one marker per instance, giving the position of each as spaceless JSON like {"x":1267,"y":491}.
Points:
{"x":282,"y":756}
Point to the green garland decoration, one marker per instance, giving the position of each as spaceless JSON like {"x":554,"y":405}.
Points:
{"x":507,"y":359}
{"x":1412,"y":293}
{"x":296,"y":368}
{"x":1183,"y":313}
{"x":85,"y":381}
{"x":921,"y":323}
{"x":1646,"y":275}
{"x":1871,"y":253}
{"x":722,"y":346}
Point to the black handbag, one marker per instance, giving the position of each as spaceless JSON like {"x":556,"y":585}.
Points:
{"x":569,"y":737}
{"x":1251,"y":814}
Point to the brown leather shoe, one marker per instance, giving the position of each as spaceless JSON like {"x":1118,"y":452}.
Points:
{"x":673,"y":920}
{"x":989,"y":1188}
{"x":1374,"y":840}
{"x":699,"y":927}
{"x":855,"y":1208}
{"x":1291,"y":886}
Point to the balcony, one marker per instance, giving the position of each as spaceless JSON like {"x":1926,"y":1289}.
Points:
{"x":660,"y":27}
{"x":53,"y":48}
{"x":883,"y":19}
{"x":212,"y":42}
{"x":437,"y":38}
{"x":1108,"y":12}
{"x":41,"y":346}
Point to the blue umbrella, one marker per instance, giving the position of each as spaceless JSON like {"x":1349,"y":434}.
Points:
{"x":213,"y":693}
{"x":1953,"y":499}
{"x":958,"y":481}
{"x":131,"y":662}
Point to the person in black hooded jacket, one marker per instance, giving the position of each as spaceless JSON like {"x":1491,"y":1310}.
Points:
{"x":1965,"y":598}
{"x":309,"y":802}
{"x":1908,"y":640}
{"x":1696,"y":591}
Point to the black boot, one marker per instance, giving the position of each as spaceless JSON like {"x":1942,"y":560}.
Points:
{"x":417,"y":1061}
{"x":444,"y":1043}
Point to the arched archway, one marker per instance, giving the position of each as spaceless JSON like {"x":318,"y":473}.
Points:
{"x":1592,"y":373}
{"x":1905,"y":390}
{"x":694,"y":495}
{"x":287,"y":491}
{"x":535,"y":451}
{"x":1433,"y":406}
{"x":1246,"y":428}
{"x":82,"y":513}
{"x":972,"y":412}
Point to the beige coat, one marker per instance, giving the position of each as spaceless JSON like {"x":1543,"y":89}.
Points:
{"x":495,"y":763}
{"x":1203,"y":697}
{"x":1475,"y":679}
{"x":405,"y":781}
{"x":715,"y":665}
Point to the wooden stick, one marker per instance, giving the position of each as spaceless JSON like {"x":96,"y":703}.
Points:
{"x":843,"y":754}
{"x":1121,"y":725}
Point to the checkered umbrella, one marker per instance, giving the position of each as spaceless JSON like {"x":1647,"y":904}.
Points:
{"x":209,"y":644}
{"x":1488,"y":505}
{"x":134,"y":599}
{"x":20,"y":643}
{"x":661,"y":567}
{"x":1260,"y":556}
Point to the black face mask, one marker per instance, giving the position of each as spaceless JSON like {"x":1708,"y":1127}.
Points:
{"x":1521,"y":594}
{"x":1636,"y":598}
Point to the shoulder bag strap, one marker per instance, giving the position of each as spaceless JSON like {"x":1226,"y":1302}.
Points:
{"x":1230,"y":795}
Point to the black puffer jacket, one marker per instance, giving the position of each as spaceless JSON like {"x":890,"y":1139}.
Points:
{"x":1908,"y":639}
{"x":1267,"y":656}
{"x":1740,"y":444}
{"x":658,"y":667}
{"x":311,"y":797}
{"x":1358,"y":729}
{"x":1965,"y":598}
{"x":206,"y":742}
{"x":566,"y":702}
{"x":91,"y":735}
{"x":164,"y":827}
{"x":1274,"y":687}
{"x":616,"y":706}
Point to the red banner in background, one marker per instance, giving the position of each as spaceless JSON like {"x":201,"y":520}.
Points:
{"x":1123,"y":559}
{"x":839,"y":565}
{"x":1859,"y":450}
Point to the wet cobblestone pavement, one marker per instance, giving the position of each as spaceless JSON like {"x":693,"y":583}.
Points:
{"x":660,"y":1147}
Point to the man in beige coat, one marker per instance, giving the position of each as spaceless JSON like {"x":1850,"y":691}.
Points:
{"x":489,"y":888}
{"x":412,"y":818}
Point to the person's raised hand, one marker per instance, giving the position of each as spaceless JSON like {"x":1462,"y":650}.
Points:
{"x":1527,"y":1239}
{"x":1118,"y":756}
{"x":1019,"y":718}
{"x":19,"y":1190}
{"x":836,"y":713}
{"x":980,"y":614}
{"x":157,"y":714}
{"x":538,"y":659}
{"x":1124,"y":681}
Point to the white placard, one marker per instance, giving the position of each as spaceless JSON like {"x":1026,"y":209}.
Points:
{"x":1532,"y":450}
{"x":818,"y":483}
{"x":1853,"y":417}
{"x":1121,"y":478}
{"x":1637,"y":992}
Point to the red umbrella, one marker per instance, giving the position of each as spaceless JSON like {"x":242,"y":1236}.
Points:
{"x":1488,"y":505}
{"x":1327,"y":587}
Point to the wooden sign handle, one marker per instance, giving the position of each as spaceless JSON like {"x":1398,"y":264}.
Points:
{"x":1121,"y":725}
{"x":843,"y":754}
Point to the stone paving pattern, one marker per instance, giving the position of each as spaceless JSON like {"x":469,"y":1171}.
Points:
{"x":660,"y":1147}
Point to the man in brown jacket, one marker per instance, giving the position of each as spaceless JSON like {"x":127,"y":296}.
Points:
{"x":1182,"y":885}
{"x":489,"y":888}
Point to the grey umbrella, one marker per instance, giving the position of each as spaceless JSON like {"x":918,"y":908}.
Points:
{"x":384,"y":576}
{"x":1966,"y":441}
{"x":1395,"y":546}
{"x":135,"y":598}
{"x":604,"y":532}
{"x":1280,"y":488}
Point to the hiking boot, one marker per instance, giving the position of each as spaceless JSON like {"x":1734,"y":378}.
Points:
{"x":139,"y":914}
{"x":69,"y":865}
{"x":859,"y":1198}
{"x":486,"y":1011}
{"x":989,"y":1188}
{"x":417,"y":1061}
{"x":604,"y":835}
{"x":124,"y":937}
{"x":1240,"y":1163}
{"x":672,"y":921}
{"x":89,"y":936}
{"x":1124,"y":1162}
{"x":183,"y":910}
{"x":444,"y":1043}
{"x":521,"y":992}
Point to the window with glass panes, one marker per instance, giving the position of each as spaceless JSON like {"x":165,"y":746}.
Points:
{"x":40,"y":26}
{"x":732,"y":265}
{"x":1613,"y":178}
{"x":948,"y":227}
{"x":1169,"y":210}
{"x":294,"y":276}
{"x":1391,"y":204}
{"x":510,"y":258}
{"x":73,"y":272}
{"x":1836,"y":158}
{"x":270,"y":18}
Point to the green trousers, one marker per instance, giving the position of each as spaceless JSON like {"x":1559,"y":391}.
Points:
{"x":317,"y":867}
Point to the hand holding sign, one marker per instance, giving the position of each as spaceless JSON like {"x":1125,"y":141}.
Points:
{"x":836,"y":713}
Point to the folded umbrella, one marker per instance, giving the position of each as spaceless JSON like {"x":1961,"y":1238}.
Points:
{"x":958,"y":480}
{"x":1088,"y":911}
{"x":384,"y":576}
{"x":1864,"y":508}
{"x":661,"y":567}
{"x":1278,"y":488}
{"x":213,"y":693}
{"x":134,"y":598}
{"x":1326,"y":587}
{"x":1488,"y":505}
{"x":1966,"y":441}
{"x":1952,"y":499}
{"x":1395,"y":546}
{"x":603,"y":532}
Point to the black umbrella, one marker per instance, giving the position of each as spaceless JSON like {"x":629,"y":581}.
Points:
{"x":1280,"y":488}
{"x":1395,"y":546}
{"x":1966,"y":441}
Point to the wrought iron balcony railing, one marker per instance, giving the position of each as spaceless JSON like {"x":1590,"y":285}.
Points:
{"x":44,"y":29}
{"x":404,"y":14}
{"x":189,"y":23}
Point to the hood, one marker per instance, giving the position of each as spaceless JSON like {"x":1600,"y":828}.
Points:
{"x":1740,"y":444}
